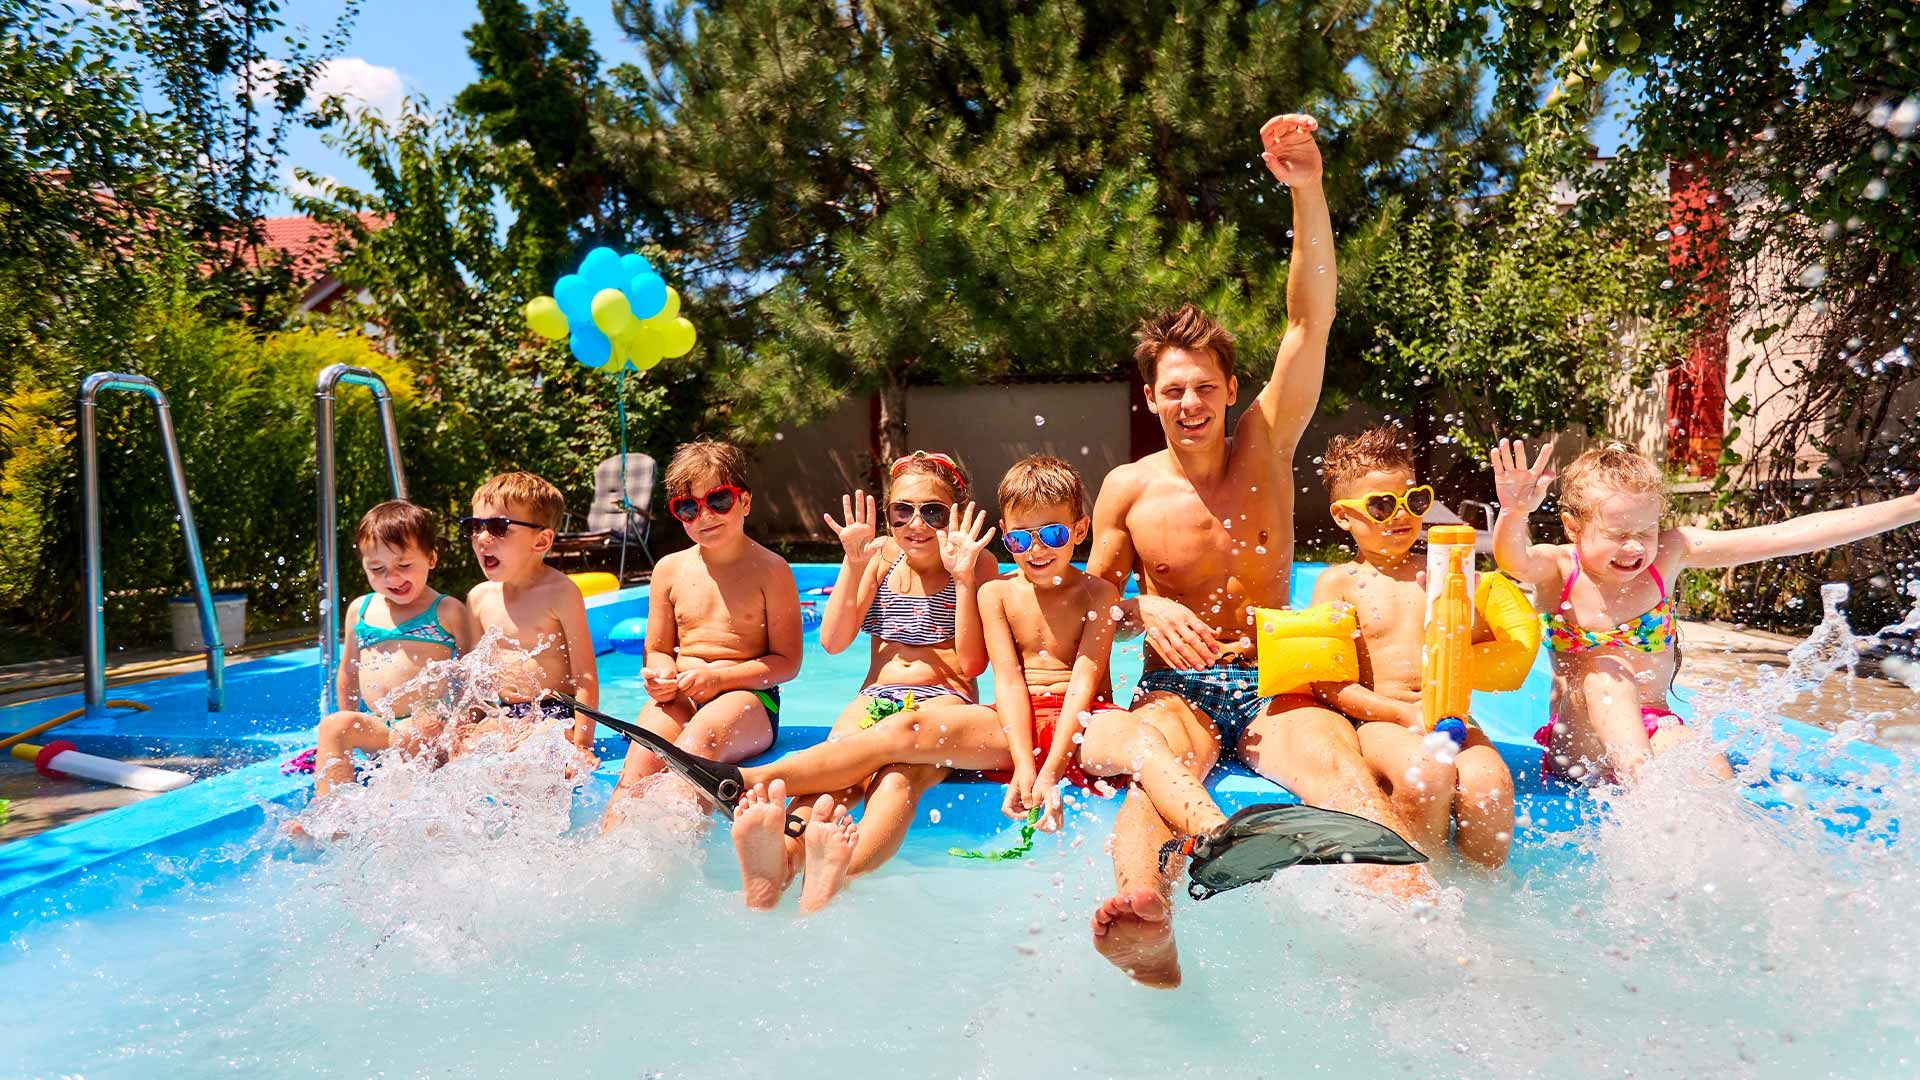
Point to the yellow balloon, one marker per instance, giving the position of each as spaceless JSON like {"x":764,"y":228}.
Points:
{"x":545,"y":318}
{"x":678,"y":339}
{"x":617,"y":360}
{"x":673,"y":305}
{"x":612,"y":313}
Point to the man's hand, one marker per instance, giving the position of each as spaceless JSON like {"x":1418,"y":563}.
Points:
{"x":1289,"y":149}
{"x":1177,"y":634}
{"x":1520,"y":487}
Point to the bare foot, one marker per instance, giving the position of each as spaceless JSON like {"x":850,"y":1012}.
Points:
{"x":1134,"y":931}
{"x":830,"y":839}
{"x":760,"y":839}
{"x":1402,"y":883}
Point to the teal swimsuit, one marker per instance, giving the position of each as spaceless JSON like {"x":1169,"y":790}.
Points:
{"x":424,"y":628}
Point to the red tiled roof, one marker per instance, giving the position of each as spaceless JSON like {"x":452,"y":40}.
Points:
{"x":310,"y":247}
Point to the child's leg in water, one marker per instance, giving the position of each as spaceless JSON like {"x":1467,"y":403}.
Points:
{"x":1419,"y":785}
{"x":340,"y":734}
{"x":1612,"y":701}
{"x":731,"y":727}
{"x":955,"y":736}
{"x":1115,"y":743}
{"x":1482,"y":802}
{"x":1668,"y":738}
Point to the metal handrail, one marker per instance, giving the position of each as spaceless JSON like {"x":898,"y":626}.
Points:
{"x":327,"y":513}
{"x":95,"y":620}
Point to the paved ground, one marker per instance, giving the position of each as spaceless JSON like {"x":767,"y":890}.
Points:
{"x":1716,"y":655}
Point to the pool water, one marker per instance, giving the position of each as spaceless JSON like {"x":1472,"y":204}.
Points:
{"x":477,"y":925}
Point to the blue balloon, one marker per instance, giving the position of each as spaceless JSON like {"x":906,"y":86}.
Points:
{"x":601,"y":268}
{"x":574,"y":294}
{"x":648,"y":295}
{"x":629,"y":636}
{"x":590,"y":346}
{"x":633,"y":264}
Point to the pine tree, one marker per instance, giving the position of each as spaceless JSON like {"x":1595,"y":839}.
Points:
{"x":882,"y":193}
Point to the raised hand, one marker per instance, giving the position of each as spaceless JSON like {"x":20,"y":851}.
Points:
{"x":1521,"y":487}
{"x":1287,"y":146}
{"x":960,"y":547}
{"x":859,"y":537}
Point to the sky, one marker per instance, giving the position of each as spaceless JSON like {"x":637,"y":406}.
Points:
{"x":409,"y":47}
{"x":417,"y":47}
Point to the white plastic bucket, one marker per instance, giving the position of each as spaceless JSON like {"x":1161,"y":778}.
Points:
{"x":229,"y":612}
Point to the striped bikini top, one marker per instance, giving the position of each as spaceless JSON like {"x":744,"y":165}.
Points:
{"x":1652,"y":632}
{"x":911,"y":620}
{"x":424,"y":628}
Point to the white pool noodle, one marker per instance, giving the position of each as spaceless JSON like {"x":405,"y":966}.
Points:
{"x":109,"y":771}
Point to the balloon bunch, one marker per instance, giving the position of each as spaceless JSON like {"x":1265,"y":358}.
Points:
{"x":615,"y":313}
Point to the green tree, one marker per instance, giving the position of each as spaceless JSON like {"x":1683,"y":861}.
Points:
{"x":540,"y":89}
{"x":1803,"y":113}
{"x":922,"y":191}
{"x":445,"y":285}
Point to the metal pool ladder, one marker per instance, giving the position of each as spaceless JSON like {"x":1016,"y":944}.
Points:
{"x":94,"y":619}
{"x":328,"y":513}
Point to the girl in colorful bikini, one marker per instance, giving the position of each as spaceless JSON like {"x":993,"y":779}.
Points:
{"x":396,"y":631}
{"x":912,"y":591}
{"x":1611,"y":630}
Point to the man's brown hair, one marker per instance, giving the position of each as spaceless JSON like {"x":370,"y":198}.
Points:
{"x":535,"y":498}
{"x":704,"y":458}
{"x":1603,"y":470}
{"x":1043,"y":480}
{"x":398,"y":524}
{"x":1186,"y":328}
{"x":1378,"y":448}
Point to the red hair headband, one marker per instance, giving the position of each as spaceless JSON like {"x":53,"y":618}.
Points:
{"x":943,"y":461}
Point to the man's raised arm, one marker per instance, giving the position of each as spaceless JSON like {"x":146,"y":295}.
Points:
{"x":1287,"y":402}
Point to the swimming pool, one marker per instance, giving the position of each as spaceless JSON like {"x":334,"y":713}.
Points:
{"x":1675,"y":933}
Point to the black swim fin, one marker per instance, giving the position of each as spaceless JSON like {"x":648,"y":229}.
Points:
{"x":720,"y":782}
{"x":1260,"y":841}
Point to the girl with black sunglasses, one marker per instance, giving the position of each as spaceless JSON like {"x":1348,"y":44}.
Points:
{"x":912,"y":591}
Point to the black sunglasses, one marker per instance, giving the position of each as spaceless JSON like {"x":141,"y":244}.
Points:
{"x":935,"y":514}
{"x":496,"y":526}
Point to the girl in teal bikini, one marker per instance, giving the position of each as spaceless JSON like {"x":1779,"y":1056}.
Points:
{"x":394,"y":633}
{"x":1614,"y":640}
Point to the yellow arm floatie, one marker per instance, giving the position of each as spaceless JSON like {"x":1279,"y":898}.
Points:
{"x":1300,"y":648}
{"x":1502,"y":664}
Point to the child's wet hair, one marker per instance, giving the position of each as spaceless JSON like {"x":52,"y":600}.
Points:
{"x":1380,"y":448}
{"x":400,"y":525}
{"x":704,"y":458}
{"x":1043,"y":480}
{"x":942,"y":467}
{"x":529,"y":494}
{"x":1186,"y":328}
{"x":1606,"y":470}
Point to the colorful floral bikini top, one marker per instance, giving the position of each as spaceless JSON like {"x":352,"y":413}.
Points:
{"x":1652,"y":632}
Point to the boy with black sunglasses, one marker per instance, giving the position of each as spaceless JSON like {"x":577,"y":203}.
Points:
{"x":1370,"y":480}
{"x":723,"y":628}
{"x":540,"y":615}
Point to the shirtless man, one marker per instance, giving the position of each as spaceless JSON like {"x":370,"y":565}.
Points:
{"x":724,"y":629}
{"x":1208,"y":525}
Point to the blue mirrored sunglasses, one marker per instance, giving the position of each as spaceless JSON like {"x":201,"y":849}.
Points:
{"x":1053,"y":536}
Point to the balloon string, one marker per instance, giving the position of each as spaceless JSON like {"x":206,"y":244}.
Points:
{"x":620,"y":408}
